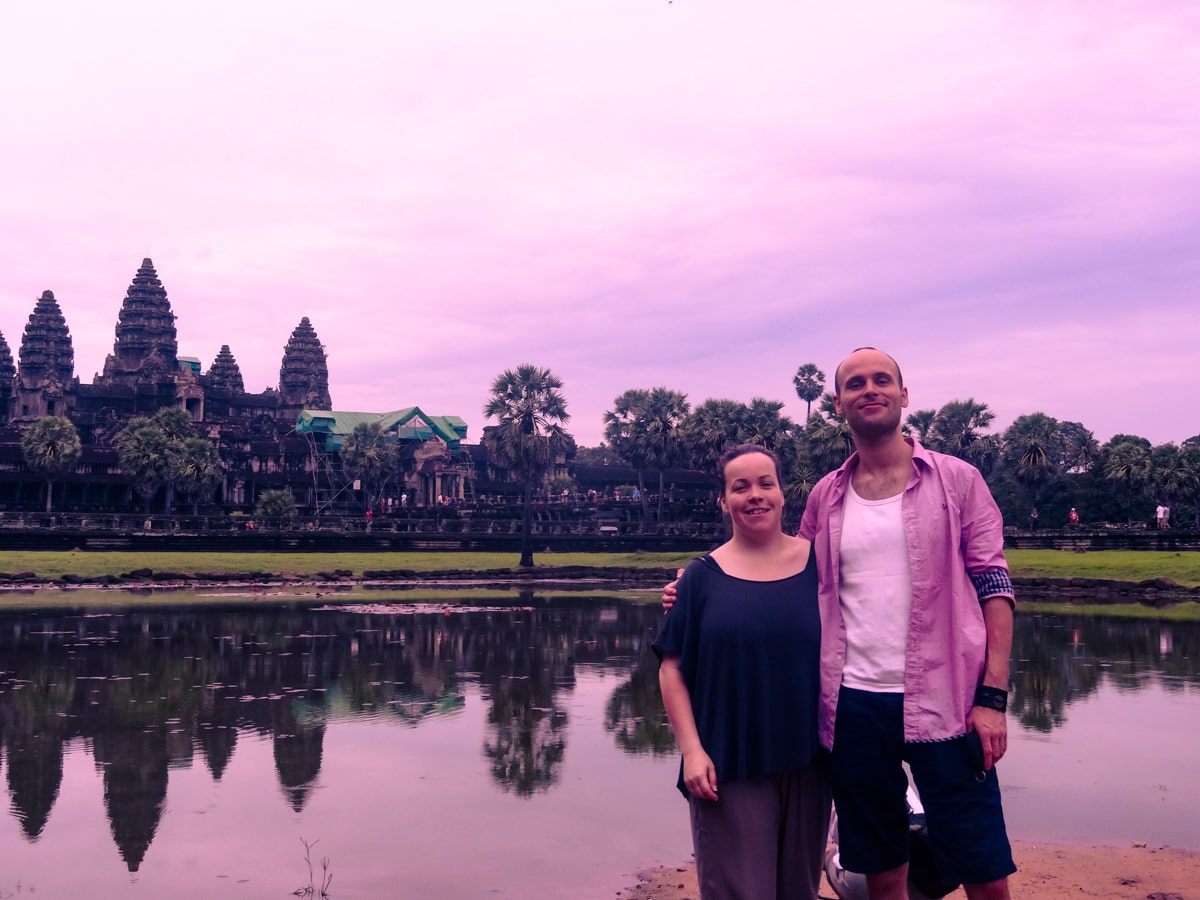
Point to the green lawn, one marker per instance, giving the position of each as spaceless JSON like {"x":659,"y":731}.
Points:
{"x":1115,"y":565}
{"x":1124,"y":565}
{"x":52,"y":564}
{"x":1127,"y":565}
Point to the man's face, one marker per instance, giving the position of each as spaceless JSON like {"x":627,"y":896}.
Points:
{"x":870,"y":396}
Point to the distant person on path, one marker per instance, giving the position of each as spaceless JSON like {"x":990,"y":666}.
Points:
{"x":1033,"y":517}
{"x":1073,"y":517}
{"x":739,"y":660}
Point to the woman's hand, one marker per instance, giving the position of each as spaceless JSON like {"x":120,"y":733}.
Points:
{"x":668,"y":593}
{"x":699,"y":775}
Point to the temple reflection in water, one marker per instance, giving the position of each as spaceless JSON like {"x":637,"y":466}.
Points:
{"x":147,"y":693}
{"x":151,"y":691}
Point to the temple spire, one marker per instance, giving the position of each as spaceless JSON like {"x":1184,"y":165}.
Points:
{"x":8,"y":376}
{"x":225,"y":372}
{"x":145,"y":346}
{"x":304,"y":375}
{"x":47,"y":355}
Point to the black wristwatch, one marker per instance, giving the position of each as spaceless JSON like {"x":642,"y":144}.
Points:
{"x":991,"y":698}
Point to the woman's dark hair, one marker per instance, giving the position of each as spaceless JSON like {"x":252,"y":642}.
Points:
{"x":741,"y":450}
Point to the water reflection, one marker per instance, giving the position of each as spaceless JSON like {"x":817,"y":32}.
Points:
{"x":147,"y":690}
{"x":151,"y":694}
{"x":1060,"y":660}
{"x":635,"y":715}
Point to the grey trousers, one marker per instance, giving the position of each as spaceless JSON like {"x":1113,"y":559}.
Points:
{"x":763,"y":838}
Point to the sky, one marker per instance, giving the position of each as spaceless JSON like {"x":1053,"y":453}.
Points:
{"x":694,"y":194}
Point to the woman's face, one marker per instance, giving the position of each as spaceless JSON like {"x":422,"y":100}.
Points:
{"x":753,"y":496}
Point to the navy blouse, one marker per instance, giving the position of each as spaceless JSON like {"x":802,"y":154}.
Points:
{"x":749,"y":654}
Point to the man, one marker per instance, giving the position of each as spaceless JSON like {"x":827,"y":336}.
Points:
{"x":916,"y":617}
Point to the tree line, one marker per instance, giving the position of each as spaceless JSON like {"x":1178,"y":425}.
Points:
{"x":1037,"y":462}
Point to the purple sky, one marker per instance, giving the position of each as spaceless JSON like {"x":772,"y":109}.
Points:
{"x":698,"y":194}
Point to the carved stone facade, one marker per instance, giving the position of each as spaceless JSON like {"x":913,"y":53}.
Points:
{"x":145,"y":348}
{"x":8,"y":379}
{"x":46,"y":374}
{"x":304,"y":375}
{"x":225,"y":375}
{"x":254,"y":433}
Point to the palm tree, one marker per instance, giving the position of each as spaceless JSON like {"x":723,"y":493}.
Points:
{"x":716,"y":425}
{"x":711,"y":428}
{"x":195,"y":469}
{"x":369,"y":455}
{"x":51,"y":448}
{"x":1031,"y":451}
{"x":1185,"y":476}
{"x":662,"y":433}
{"x":623,"y":425}
{"x":530,"y":412}
{"x":175,"y":424}
{"x":645,"y":428}
{"x":801,"y":479}
{"x":919,"y":424}
{"x":1127,"y":462}
{"x":828,"y":437}
{"x":810,"y":384}
{"x":1080,"y":450}
{"x":764,"y":424}
{"x":176,"y":427}
{"x":144,"y":455}
{"x":956,"y":431}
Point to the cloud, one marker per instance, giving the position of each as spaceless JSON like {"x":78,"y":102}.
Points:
{"x":697,"y":195}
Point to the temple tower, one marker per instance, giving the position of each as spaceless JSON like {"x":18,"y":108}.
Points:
{"x":46,"y":372}
{"x":225,"y":374}
{"x":8,"y":378}
{"x":145,"y":348}
{"x":304,"y":375}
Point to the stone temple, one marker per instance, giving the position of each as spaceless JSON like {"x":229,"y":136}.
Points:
{"x":256,"y":434}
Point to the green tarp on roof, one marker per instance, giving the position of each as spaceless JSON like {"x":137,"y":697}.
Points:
{"x":410,"y":424}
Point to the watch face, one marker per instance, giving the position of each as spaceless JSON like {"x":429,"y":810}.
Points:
{"x":998,"y":703}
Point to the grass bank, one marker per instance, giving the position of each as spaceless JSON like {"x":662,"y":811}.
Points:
{"x":54,"y":564}
{"x":1122,"y":565}
{"x":1119,"y":565}
{"x":1181,"y":612}
{"x":1112,"y":565}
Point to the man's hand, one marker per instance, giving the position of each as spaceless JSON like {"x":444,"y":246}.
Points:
{"x":668,"y":593}
{"x":992,"y":728}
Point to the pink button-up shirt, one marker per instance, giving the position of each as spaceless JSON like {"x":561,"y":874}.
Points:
{"x":955,"y":538}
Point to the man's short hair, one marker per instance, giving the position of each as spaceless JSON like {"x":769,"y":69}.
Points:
{"x":837,"y":373}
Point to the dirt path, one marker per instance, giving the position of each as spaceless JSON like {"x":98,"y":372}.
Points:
{"x":1046,"y":872}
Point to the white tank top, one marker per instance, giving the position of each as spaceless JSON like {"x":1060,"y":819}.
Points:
{"x":876,"y":593}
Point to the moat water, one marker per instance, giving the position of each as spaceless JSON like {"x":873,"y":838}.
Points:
{"x":499,"y":746}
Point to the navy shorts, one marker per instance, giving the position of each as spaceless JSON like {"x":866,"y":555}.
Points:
{"x":962,"y":811}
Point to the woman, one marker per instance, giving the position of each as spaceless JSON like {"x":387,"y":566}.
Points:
{"x":738,"y":670}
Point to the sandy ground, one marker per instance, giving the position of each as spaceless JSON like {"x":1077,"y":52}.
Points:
{"x":1045,"y":872}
